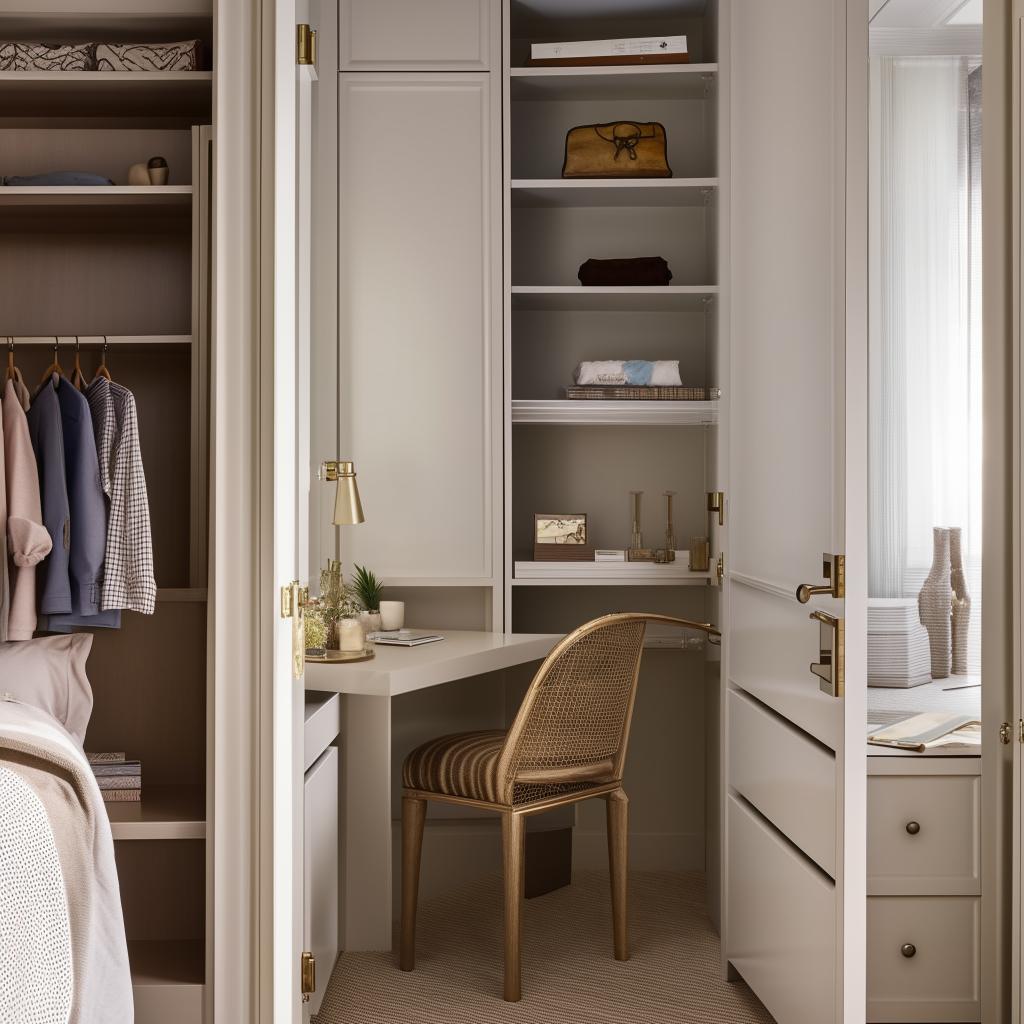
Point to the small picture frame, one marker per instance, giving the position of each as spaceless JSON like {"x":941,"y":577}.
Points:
{"x":561,"y":537}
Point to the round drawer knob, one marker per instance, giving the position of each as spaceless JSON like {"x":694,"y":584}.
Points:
{"x":908,"y":949}
{"x":913,"y":827}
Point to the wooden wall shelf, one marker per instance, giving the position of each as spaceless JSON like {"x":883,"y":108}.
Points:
{"x":668,"y":299}
{"x":620,"y":414}
{"x":562,"y":192}
{"x":642,"y":82}
{"x":96,"y":195}
{"x":164,"y":812}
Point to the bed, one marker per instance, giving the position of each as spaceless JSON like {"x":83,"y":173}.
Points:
{"x":63,"y":954}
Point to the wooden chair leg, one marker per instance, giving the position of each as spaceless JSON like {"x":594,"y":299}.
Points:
{"x":618,"y":863}
{"x":414,"y":814}
{"x":513,"y":834}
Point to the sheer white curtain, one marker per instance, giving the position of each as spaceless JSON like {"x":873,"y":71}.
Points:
{"x":925,"y":344}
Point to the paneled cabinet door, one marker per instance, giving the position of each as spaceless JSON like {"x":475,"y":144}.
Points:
{"x":419,"y":320}
{"x":419,"y":35}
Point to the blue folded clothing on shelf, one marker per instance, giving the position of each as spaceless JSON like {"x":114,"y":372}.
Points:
{"x":75,"y":178}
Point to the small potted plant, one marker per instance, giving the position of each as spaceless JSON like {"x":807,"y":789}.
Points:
{"x":368,"y":589}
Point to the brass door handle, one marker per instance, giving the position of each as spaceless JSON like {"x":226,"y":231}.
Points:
{"x":831,"y":666}
{"x":833,"y":569}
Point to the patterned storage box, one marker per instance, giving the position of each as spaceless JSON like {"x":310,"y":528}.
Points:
{"x":47,"y":56}
{"x":184,"y":56}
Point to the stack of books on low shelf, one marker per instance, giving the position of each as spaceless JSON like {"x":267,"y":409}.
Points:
{"x":898,"y":651}
{"x":611,"y":52}
{"x":119,"y":779}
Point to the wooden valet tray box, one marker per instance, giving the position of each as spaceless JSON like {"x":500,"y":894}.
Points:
{"x":563,"y":553}
{"x":621,"y":60}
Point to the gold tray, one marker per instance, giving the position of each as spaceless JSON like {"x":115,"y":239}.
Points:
{"x":343,"y":656}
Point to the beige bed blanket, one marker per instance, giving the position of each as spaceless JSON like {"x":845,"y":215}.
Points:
{"x":37,"y":754}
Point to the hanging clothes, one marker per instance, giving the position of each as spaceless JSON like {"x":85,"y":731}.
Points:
{"x":5,"y":572}
{"x":88,"y":509}
{"x":128,"y":581}
{"x":28,"y":541}
{"x":46,"y":433}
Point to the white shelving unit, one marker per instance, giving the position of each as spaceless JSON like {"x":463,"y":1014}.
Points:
{"x":662,"y":82}
{"x":626,"y":298}
{"x":599,"y":192}
{"x":604,"y":413}
{"x":124,"y":267}
{"x":98,"y":195}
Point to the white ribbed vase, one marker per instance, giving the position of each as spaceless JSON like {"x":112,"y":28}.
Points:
{"x":961,"y":617}
{"x":934,"y":605}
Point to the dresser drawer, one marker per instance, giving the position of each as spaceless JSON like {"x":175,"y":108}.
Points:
{"x":924,"y":834}
{"x":938,"y":981}
{"x":769,"y":761}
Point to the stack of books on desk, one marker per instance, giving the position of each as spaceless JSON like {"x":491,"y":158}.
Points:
{"x":898,"y":652}
{"x":119,"y":779}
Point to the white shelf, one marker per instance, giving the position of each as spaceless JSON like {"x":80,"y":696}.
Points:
{"x":607,"y":574}
{"x":167,"y":978}
{"x":185,"y":94}
{"x":96,"y":195}
{"x":561,"y":192}
{"x":669,"y":298}
{"x":607,"y":413}
{"x":639,"y":82}
{"x":164,"y":812}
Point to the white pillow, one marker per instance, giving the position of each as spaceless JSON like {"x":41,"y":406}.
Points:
{"x":49,"y":673}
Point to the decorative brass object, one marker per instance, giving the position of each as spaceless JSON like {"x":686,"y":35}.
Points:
{"x":833,"y":569}
{"x":636,"y":542}
{"x":670,"y":532}
{"x":307,"y":979}
{"x":305,"y":45}
{"x":294,"y":599}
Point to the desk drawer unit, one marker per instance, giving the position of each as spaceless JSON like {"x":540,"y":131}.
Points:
{"x":924,"y":834}
{"x":923,"y":959}
{"x":924,"y":889}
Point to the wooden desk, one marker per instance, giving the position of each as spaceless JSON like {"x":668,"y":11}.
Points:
{"x":365,"y":742}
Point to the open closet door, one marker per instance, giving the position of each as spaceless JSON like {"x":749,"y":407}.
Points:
{"x":286,"y":385}
{"x":794,"y":870}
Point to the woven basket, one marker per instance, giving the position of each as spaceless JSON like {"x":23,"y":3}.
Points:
{"x":617,"y":393}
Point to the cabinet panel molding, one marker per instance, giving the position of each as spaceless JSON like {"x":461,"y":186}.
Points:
{"x":419,"y":300}
{"x":418,"y":35}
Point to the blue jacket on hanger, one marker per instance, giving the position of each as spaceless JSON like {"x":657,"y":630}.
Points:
{"x":47,"y":436}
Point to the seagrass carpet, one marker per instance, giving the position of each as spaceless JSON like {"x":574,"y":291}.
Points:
{"x":569,"y":974}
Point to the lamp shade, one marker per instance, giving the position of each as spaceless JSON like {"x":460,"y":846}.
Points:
{"x":348,"y":509}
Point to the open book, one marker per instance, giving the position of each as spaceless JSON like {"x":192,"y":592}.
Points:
{"x":928,"y":731}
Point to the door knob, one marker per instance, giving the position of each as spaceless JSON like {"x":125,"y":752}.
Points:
{"x":833,"y":569}
{"x":908,"y":949}
{"x":913,"y":828}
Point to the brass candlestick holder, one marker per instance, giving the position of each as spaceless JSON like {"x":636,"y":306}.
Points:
{"x":637,"y":552}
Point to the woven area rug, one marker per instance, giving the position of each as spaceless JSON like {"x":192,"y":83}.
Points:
{"x":569,"y":974}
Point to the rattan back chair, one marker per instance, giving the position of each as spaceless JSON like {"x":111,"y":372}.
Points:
{"x":568,"y":743}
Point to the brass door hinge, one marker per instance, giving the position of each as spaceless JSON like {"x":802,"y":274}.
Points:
{"x":716,"y":503}
{"x":305,"y":45}
{"x":1005,"y":733}
{"x":720,"y":568}
{"x":294,"y":599}
{"x":307,"y":975}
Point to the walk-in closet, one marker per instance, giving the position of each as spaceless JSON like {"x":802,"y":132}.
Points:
{"x":117,"y":274}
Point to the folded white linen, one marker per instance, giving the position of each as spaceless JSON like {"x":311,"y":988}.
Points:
{"x":634,"y":372}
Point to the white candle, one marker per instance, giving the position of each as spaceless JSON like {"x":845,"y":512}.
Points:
{"x":350,"y":635}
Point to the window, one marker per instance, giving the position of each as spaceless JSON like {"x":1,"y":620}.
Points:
{"x":925,"y":326}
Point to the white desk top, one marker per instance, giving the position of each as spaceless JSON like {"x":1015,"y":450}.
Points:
{"x":887,"y":705}
{"x":462,"y":653}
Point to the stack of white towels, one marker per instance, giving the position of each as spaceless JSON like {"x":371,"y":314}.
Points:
{"x":898,"y":652}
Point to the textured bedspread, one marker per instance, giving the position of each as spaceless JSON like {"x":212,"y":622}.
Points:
{"x":59,"y":892}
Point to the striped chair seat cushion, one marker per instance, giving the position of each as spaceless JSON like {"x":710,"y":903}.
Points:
{"x":465,"y":765}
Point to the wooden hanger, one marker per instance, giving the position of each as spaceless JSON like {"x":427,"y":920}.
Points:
{"x":55,"y":366}
{"x":77,"y":377}
{"x":101,"y":370}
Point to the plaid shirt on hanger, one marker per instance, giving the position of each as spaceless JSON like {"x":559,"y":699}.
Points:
{"x":128,"y":579}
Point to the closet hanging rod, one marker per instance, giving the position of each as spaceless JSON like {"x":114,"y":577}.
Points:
{"x":96,"y":341}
